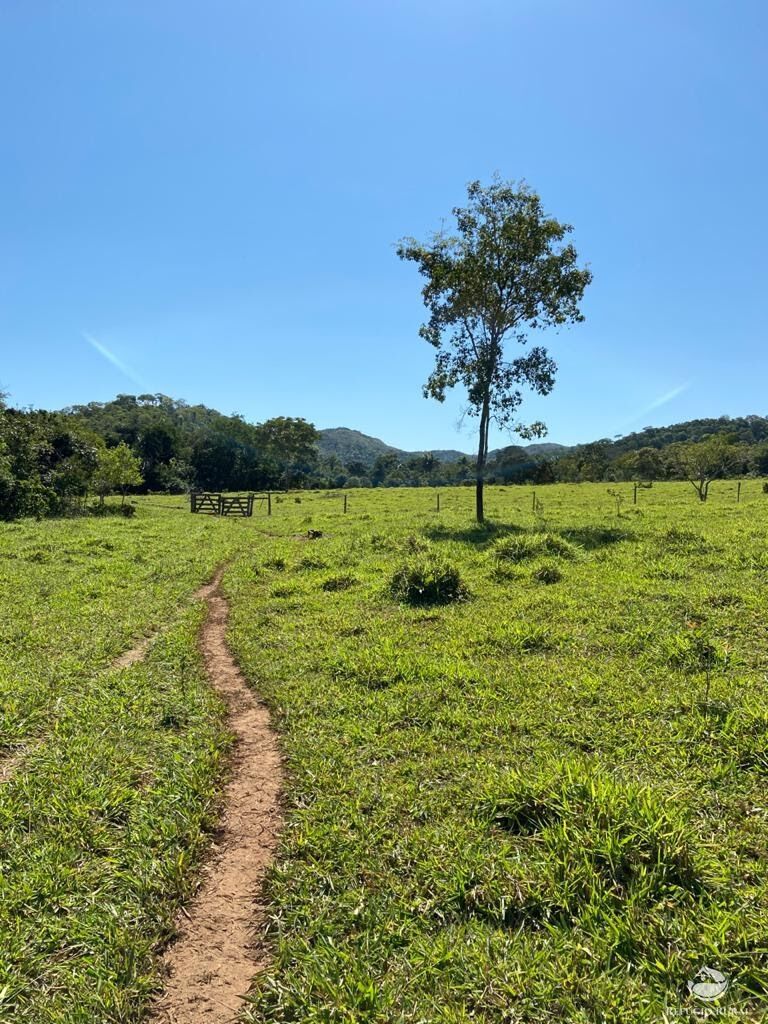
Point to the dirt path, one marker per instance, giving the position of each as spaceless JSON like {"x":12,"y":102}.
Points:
{"x":219,"y":948}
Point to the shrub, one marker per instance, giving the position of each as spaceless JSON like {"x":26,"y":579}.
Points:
{"x":427,"y":580}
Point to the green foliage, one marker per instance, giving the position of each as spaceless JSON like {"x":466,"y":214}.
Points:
{"x":46,"y":464}
{"x":117,"y":470}
{"x":602,"y":844}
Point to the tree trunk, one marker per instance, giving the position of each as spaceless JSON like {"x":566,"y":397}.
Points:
{"x":482,"y":453}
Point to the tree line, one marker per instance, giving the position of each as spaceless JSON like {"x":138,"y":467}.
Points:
{"x":54,"y":462}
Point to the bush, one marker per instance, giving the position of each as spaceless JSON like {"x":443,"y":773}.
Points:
{"x":424,"y":580}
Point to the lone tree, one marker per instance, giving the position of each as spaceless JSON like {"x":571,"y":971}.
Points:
{"x":503,"y":274}
{"x":701,"y":462}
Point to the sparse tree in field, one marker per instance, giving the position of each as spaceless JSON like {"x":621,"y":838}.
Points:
{"x":701,"y":462}
{"x":505,"y":272}
{"x":117,"y":470}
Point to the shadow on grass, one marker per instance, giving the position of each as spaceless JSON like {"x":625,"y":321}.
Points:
{"x":484,"y":534}
{"x":479,"y":534}
{"x":593,"y":537}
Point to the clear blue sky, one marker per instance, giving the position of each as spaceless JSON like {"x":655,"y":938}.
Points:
{"x":210,"y":193}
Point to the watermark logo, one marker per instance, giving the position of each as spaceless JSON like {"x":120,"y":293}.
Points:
{"x":708,"y":984}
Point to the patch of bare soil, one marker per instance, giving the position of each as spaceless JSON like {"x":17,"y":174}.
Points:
{"x":219,"y":948}
{"x":11,"y":761}
{"x":134,"y":655}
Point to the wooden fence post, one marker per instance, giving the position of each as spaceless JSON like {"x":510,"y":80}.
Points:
{"x":345,"y":503}
{"x":634,"y":496}
{"x":738,"y":491}
{"x":269,"y":503}
{"x":438,"y":501}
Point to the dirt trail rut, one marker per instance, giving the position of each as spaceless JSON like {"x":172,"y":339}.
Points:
{"x":219,"y":948}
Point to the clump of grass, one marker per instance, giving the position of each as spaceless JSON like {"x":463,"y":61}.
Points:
{"x":600,"y":842}
{"x":526,"y":546}
{"x":547,"y":573}
{"x":694,"y":652}
{"x":427,"y":580}
{"x":519,"y":638}
{"x":382,"y":542}
{"x":381,"y":666}
{"x":676,"y":537}
{"x":415,"y":544}
{"x":310,"y":563}
{"x":276,"y":564}
{"x":334,"y":583}
{"x":669,"y":568}
{"x":723,"y":600}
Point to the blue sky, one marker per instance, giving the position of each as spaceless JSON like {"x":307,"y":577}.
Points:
{"x":203,"y":199}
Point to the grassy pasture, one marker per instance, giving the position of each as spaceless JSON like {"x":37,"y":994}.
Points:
{"x":111,"y":774}
{"x":543,"y":801}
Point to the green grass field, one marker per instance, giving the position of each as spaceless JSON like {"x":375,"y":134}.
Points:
{"x":545,"y":801}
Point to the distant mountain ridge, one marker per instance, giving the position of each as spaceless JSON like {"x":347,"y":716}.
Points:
{"x":352,"y":445}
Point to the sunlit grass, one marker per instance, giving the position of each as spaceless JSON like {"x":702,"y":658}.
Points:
{"x":541,"y":801}
{"x":544,"y":802}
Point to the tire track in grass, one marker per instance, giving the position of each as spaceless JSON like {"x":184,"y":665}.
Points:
{"x":218,"y":949}
{"x":12,"y":759}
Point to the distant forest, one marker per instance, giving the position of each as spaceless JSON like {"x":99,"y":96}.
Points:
{"x":53,"y":461}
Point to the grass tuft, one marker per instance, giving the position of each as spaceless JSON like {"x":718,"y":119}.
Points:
{"x":424,"y":580}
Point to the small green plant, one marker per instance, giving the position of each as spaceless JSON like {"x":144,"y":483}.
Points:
{"x":618,"y":499}
{"x":427,"y":580}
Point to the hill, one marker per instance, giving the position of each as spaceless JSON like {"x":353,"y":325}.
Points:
{"x":352,"y":445}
